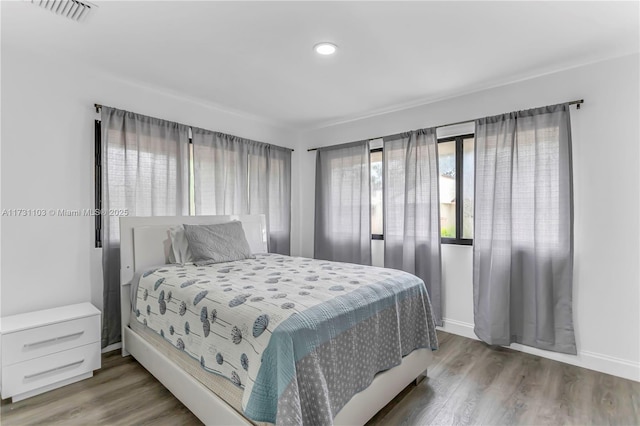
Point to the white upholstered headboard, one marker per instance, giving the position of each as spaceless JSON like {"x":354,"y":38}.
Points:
{"x":144,"y":241}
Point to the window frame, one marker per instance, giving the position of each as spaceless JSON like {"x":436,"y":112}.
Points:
{"x":459,"y":140}
{"x":97,"y":157}
{"x":379,"y":236}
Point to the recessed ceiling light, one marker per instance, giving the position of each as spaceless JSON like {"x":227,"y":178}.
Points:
{"x":325,"y":48}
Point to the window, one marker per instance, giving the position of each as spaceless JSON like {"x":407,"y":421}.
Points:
{"x":145,"y":157}
{"x":376,"y":195}
{"x":456,"y":165}
{"x":267,"y":180}
{"x":455,"y":158}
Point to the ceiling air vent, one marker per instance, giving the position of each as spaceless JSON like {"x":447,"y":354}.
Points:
{"x":72,"y":9}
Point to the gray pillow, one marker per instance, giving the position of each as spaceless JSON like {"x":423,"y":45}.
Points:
{"x":223,"y":242}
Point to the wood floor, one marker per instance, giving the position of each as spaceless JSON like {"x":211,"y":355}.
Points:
{"x":469,"y":383}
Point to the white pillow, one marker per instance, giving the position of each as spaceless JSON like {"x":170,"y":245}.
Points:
{"x":179,"y":252}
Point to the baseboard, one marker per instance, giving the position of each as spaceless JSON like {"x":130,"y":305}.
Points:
{"x":113,"y":347}
{"x":458,"y":327}
{"x":586,"y":359}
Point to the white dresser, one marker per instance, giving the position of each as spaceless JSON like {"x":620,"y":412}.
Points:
{"x":44,"y":350}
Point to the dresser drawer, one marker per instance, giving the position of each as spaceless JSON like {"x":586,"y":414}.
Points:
{"x":36,"y":342}
{"x":36,"y":373}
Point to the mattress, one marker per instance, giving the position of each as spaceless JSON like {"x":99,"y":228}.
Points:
{"x":288,"y":333}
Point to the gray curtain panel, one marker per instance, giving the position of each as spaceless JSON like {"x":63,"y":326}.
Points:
{"x":343,"y":203}
{"x":279,"y":177}
{"x":145,"y":169}
{"x":233,"y":175}
{"x":523,"y":243}
{"x":412,"y":209}
{"x":270,"y":191}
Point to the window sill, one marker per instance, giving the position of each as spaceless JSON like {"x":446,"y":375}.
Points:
{"x":453,"y":241}
{"x":447,"y":241}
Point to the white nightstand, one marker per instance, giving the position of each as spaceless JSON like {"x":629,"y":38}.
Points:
{"x":44,"y":350}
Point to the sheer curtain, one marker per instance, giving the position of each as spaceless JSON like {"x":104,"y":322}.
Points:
{"x":523,"y":243}
{"x":233,"y":175}
{"x":145,"y":169}
{"x":343,"y":203}
{"x":220,"y":172}
{"x":412,"y":209}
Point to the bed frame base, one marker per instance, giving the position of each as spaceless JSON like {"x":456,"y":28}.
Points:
{"x":206,"y":405}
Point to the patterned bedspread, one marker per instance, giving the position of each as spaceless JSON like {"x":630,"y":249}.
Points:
{"x":300,"y":336}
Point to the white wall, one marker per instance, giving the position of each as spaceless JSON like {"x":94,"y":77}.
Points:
{"x":0,"y":208}
{"x":47,"y":162}
{"x":605,"y":158}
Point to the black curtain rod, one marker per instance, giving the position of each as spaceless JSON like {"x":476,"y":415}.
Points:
{"x":99,"y":107}
{"x":576,"y":102}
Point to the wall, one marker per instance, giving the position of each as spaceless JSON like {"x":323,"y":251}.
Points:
{"x":47,"y":163}
{"x":0,"y":208}
{"x":605,"y":158}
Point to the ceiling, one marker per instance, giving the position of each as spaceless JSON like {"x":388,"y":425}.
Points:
{"x":256,"y":58}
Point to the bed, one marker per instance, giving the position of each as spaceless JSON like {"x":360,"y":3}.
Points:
{"x":226,"y":387}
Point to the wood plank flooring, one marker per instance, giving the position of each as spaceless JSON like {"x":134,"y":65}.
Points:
{"x":469,"y":383}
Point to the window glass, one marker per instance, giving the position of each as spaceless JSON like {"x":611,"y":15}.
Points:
{"x":447,"y":181}
{"x":192,"y":189}
{"x":468,"y":171}
{"x":376,"y":193}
